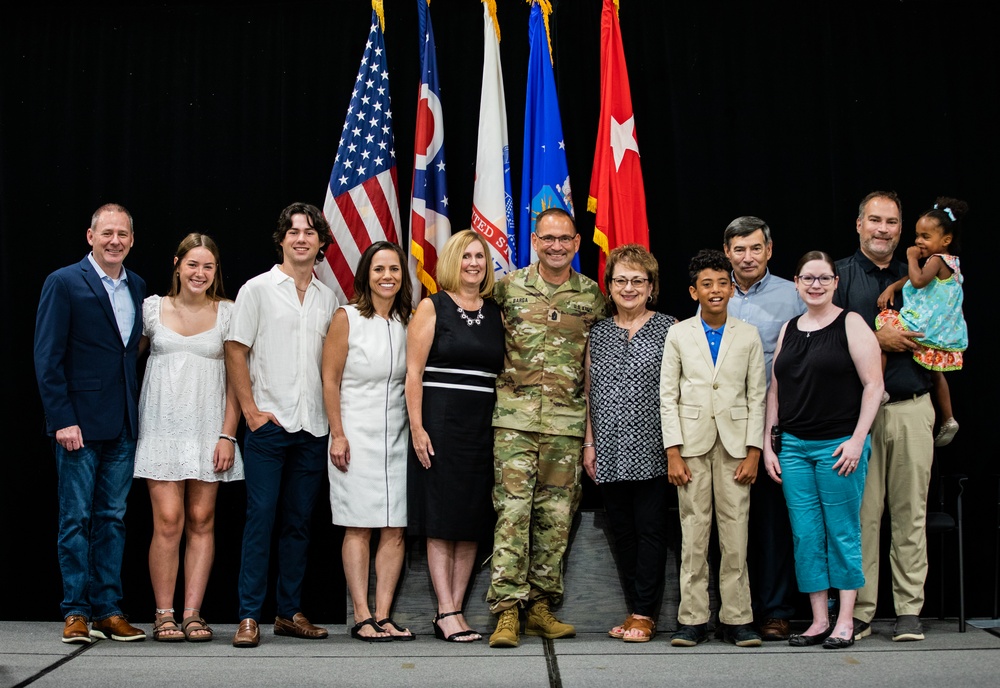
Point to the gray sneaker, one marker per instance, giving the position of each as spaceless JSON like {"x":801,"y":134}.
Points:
{"x":907,"y":628}
{"x":862,"y":629}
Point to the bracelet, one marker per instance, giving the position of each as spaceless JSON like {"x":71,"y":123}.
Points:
{"x":586,"y":444}
{"x":223,"y":436}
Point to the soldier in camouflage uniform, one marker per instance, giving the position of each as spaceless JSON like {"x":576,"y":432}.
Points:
{"x":539,"y":424}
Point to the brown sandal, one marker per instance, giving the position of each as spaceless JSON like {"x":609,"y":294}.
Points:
{"x":199,"y":625}
{"x":166,"y":630}
{"x":646,"y":628}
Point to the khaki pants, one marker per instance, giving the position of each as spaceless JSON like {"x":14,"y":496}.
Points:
{"x":900,"y":469}
{"x":712,"y":476}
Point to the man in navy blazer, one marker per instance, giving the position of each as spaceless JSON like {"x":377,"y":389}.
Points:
{"x":87,"y":336}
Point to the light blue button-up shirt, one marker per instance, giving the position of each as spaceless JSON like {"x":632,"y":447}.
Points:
{"x":121,"y":299}
{"x":768,"y":304}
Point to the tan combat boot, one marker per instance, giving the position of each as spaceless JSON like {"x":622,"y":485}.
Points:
{"x":507,"y":633}
{"x":542,"y":623}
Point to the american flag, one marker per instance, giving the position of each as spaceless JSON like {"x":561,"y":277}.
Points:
{"x":430,"y":227}
{"x":362,"y":204}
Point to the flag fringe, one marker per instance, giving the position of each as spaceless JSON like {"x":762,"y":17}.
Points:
{"x":591,"y":204}
{"x":546,"y":7}
{"x":380,"y":11}
{"x":491,"y":5}
{"x":601,"y":239}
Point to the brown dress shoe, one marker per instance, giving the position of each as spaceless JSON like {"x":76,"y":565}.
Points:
{"x":775,"y":629}
{"x":75,"y":630}
{"x":298,"y":627}
{"x":116,"y":628}
{"x":248,"y":634}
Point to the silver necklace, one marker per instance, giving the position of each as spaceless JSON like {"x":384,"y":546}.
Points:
{"x":478,"y":320}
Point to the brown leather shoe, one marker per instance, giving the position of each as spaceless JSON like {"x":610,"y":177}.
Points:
{"x":116,"y":628}
{"x":75,"y":630}
{"x":775,"y":629}
{"x":298,"y":627}
{"x":248,"y":634}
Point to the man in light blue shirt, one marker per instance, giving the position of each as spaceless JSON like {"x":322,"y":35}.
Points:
{"x":766,"y":302}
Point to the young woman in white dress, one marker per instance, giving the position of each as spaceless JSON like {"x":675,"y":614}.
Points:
{"x":187,"y":427}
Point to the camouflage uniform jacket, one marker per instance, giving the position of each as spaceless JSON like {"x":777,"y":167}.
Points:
{"x":541,"y":386}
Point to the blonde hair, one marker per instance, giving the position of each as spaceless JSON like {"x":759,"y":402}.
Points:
{"x":449,"y":265}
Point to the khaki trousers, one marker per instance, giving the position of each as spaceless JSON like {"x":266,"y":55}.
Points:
{"x":712,"y":477}
{"x":900,"y":470}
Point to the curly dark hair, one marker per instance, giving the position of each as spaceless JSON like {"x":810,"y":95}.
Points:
{"x":948,"y":213}
{"x":316,"y":221}
{"x":708,"y":259}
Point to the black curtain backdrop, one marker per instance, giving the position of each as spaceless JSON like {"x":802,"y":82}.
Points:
{"x":213,"y":117}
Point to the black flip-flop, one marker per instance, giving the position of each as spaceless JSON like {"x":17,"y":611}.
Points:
{"x":370,"y":621}
{"x":387,"y":621}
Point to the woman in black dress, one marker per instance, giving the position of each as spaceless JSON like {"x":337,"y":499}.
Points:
{"x":454,"y":352}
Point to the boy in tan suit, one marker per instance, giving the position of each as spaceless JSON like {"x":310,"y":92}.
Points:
{"x":712,"y":390}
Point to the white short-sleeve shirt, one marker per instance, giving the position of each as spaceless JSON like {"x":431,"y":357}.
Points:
{"x":286,"y":347}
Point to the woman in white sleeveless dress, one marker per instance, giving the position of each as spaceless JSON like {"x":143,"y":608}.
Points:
{"x":187,"y":423}
{"x":364,"y":370}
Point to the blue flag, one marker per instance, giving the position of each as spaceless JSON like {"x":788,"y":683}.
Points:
{"x":545,"y":180}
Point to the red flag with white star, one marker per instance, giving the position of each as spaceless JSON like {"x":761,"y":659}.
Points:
{"x":617,"y":194}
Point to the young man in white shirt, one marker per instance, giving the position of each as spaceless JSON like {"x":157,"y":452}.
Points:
{"x":273,"y":358}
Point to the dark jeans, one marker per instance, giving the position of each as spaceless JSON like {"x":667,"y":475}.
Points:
{"x":637,"y":514}
{"x":770,"y":557}
{"x":291,"y":466}
{"x":93,"y":486}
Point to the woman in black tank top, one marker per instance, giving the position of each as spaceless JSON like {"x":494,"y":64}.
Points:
{"x":825,"y":390}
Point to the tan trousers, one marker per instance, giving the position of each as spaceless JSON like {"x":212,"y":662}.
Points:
{"x":712,"y":476}
{"x":900,"y":469}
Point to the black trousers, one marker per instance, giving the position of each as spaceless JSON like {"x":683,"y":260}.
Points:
{"x":637,"y":514}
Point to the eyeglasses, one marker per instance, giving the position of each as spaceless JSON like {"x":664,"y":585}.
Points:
{"x":564,"y":240}
{"x":824,"y":280}
{"x":636,"y":282}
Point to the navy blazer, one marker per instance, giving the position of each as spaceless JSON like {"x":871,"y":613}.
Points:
{"x":86,"y":376}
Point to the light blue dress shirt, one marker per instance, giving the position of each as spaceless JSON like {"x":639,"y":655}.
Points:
{"x":121,"y":299}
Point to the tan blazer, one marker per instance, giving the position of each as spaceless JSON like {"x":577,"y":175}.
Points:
{"x":699,"y":400}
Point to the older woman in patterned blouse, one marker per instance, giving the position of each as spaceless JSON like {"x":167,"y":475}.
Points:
{"x":623,"y":447}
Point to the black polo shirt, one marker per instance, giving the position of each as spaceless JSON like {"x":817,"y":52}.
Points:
{"x":861,"y":282}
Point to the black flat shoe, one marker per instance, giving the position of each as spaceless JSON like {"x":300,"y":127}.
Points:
{"x":838,"y":643}
{"x":356,"y":632}
{"x":797,"y":640}
{"x":403,"y":633}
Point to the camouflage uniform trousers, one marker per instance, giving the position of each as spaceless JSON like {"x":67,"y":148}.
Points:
{"x":536,"y":492}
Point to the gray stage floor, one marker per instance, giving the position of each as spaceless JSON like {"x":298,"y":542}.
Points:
{"x":31,"y":654}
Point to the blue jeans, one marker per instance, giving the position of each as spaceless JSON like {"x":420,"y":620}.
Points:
{"x":93,"y":487}
{"x":290,"y":466}
{"x":825,"y":511}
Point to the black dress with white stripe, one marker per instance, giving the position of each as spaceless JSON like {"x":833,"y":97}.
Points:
{"x":453,"y":499}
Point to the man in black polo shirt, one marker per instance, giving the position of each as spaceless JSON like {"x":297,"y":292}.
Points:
{"x":902,"y":434}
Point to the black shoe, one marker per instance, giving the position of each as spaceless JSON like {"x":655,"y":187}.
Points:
{"x":862,"y":629}
{"x":741,"y":635}
{"x":834,"y":643}
{"x":797,"y":640}
{"x":907,"y":628}
{"x":689,"y":636}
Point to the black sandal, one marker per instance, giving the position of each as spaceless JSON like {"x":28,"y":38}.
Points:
{"x":370,"y":621}
{"x":454,"y":637}
{"x":404,"y":633}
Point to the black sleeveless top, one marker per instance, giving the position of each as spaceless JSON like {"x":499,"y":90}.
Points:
{"x":819,"y":391}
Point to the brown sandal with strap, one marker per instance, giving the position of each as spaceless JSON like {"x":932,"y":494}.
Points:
{"x":646,"y":628}
{"x":199,"y":625}
{"x":166,"y":630}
